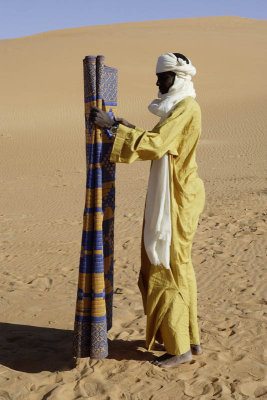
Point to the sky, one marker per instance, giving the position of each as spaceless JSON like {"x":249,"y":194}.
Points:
{"x":27,"y":17}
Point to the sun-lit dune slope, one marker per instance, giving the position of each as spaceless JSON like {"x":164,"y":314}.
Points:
{"x":41,"y":82}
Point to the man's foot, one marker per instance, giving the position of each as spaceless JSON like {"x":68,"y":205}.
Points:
{"x":169,"y":360}
{"x":196,"y":349}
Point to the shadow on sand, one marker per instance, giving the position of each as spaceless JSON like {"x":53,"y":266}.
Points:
{"x":34,"y":349}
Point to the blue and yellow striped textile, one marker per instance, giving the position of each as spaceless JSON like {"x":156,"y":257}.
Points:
{"x":93,"y":316}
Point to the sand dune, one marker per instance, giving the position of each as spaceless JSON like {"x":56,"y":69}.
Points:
{"x":42,"y":200}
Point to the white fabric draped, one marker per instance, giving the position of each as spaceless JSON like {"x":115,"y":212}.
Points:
{"x":157,"y":228}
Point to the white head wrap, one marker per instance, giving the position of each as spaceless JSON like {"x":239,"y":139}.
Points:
{"x":169,"y":62}
{"x":181,"y":88}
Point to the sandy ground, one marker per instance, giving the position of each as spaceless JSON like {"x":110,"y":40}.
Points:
{"x":42,"y":200}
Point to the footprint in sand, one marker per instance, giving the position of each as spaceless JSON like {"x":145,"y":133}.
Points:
{"x":125,"y":244}
{"x":253,"y":389}
{"x":43,"y":283}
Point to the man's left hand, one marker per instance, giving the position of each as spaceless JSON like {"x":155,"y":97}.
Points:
{"x":100,"y":118}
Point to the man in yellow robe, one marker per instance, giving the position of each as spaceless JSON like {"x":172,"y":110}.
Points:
{"x":169,"y":292}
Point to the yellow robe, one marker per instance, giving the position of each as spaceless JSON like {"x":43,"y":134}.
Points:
{"x":170,"y":295}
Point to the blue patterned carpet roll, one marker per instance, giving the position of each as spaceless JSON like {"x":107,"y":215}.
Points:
{"x":93,"y":317}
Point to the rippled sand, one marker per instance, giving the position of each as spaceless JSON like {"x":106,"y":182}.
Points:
{"x":42,"y":199}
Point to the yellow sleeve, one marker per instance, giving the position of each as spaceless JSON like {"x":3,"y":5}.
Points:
{"x":135,"y":144}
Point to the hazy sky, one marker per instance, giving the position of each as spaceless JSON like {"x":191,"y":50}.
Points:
{"x":27,"y":17}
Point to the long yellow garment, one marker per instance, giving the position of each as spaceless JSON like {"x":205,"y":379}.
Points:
{"x":170,"y":295}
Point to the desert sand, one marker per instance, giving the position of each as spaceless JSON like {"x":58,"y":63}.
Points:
{"x":42,"y":200}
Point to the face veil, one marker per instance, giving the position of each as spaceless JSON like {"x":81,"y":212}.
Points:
{"x":181,"y":88}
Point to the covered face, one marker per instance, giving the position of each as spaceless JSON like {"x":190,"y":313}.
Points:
{"x":174,"y":76}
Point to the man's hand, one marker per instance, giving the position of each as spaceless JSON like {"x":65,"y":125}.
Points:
{"x":100,"y":118}
{"x":103,"y":120}
{"x":124,"y":122}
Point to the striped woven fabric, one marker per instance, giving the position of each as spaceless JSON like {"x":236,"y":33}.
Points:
{"x":93,"y":316}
